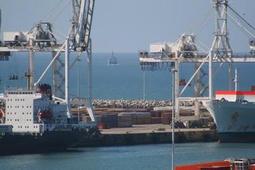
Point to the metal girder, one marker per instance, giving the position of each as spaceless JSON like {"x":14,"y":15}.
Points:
{"x":159,"y":59}
{"x":81,"y":24}
{"x":220,"y":48}
{"x":58,"y":78}
{"x":164,"y":55}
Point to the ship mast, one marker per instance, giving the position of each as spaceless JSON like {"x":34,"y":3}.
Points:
{"x":30,"y":72}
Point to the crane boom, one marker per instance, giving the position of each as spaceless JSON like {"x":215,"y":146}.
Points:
{"x":81,"y":25}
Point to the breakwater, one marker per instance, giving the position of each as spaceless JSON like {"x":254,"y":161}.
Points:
{"x":121,"y":103}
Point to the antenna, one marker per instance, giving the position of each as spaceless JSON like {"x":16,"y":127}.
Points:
{"x":236,"y":80}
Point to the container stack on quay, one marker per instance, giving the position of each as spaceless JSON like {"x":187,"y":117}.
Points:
{"x":116,"y":119}
{"x":137,"y":124}
{"x":125,"y":120}
{"x":166,"y":117}
{"x":126,"y":113}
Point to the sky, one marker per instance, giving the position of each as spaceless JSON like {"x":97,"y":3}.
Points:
{"x":130,"y":25}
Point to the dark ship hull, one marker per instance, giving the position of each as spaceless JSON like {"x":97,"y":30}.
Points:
{"x":16,"y":143}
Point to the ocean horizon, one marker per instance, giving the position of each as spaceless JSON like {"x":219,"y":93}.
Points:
{"x":125,"y":80}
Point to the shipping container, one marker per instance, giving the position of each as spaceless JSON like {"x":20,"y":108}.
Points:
{"x":124,"y":120}
{"x":15,"y":36}
{"x":110,"y":120}
{"x":159,"y":47}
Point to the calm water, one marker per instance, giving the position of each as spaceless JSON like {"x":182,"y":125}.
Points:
{"x":144,"y":157}
{"x":124,"y":81}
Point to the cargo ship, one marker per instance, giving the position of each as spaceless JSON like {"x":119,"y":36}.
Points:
{"x":32,"y":122}
{"x":233,"y":113}
{"x":230,"y":164}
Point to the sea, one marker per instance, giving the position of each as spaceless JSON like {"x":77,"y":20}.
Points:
{"x":141,"y":157}
{"x":125,"y":80}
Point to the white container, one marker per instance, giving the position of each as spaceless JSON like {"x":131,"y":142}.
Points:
{"x":15,"y":36}
{"x":159,"y":47}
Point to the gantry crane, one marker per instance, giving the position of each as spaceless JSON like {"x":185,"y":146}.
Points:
{"x":41,"y":39}
{"x":184,"y":50}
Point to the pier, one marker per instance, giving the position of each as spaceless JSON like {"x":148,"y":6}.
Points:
{"x":152,"y":134}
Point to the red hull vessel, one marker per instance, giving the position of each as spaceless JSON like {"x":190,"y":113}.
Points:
{"x":240,"y":164}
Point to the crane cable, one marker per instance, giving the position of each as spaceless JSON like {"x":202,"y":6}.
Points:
{"x":202,"y":24}
{"x":238,"y":23}
{"x":52,"y":12}
{"x":60,"y":11}
{"x":242,"y":18}
{"x":241,"y":26}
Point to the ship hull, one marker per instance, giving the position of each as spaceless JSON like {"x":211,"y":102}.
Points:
{"x":42,"y":143}
{"x":237,"y":137}
{"x":235,"y":121}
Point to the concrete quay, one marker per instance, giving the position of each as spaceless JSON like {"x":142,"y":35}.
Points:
{"x":154,"y":134}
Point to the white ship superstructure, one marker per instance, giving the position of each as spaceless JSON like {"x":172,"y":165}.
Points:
{"x":29,"y":112}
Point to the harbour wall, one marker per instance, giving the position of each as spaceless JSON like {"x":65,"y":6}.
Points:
{"x":138,"y":135}
{"x":158,"y":138}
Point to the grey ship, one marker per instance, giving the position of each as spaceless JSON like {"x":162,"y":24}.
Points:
{"x":233,"y":113}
